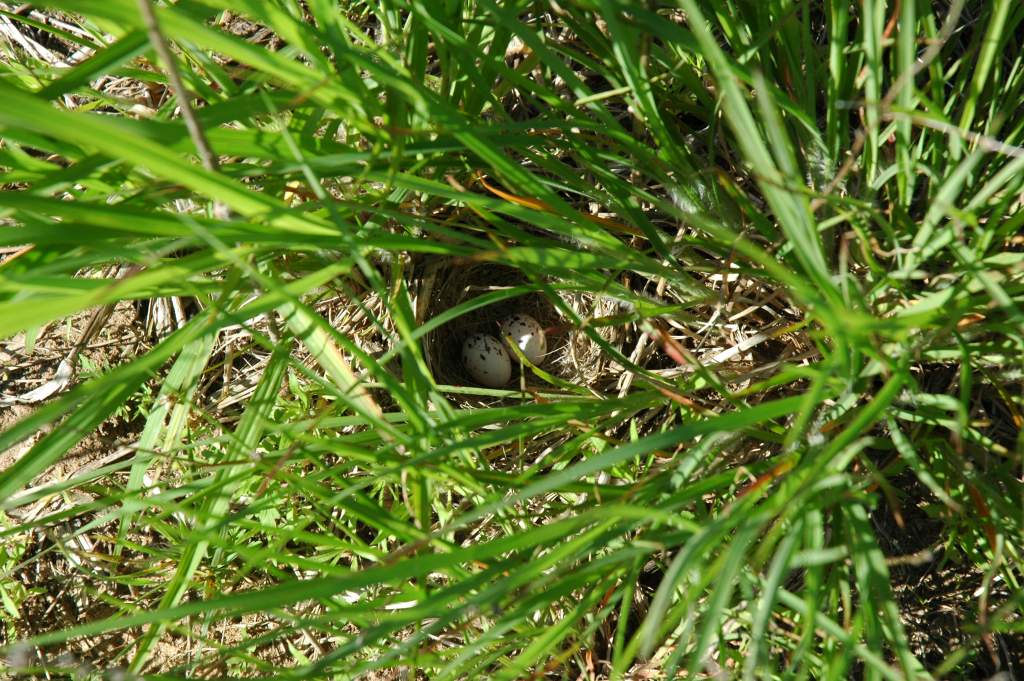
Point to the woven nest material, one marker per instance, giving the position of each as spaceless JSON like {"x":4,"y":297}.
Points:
{"x":571,"y":354}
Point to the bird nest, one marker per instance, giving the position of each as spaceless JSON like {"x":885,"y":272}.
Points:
{"x":573,"y":356}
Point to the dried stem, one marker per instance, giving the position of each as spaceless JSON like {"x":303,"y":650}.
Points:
{"x":195,"y":131}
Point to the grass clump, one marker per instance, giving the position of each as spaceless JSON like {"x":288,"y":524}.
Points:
{"x":777,"y":247}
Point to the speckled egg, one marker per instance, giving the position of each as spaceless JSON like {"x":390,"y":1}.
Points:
{"x":486,"y":360}
{"x":527,"y":334}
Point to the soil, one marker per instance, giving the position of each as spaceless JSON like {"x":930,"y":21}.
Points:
{"x":939,"y":590}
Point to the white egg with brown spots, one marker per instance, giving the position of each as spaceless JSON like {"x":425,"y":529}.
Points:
{"x":528,"y":335}
{"x":486,"y":360}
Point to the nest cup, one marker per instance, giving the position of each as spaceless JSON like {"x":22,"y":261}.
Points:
{"x":571,"y":354}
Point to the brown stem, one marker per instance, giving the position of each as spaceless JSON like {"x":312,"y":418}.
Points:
{"x":163,"y":51}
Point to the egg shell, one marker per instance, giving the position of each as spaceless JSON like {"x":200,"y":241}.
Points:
{"x":527,"y":334}
{"x":486,"y":360}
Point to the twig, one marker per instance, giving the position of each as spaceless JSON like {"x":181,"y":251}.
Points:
{"x":163,"y":50}
{"x":195,"y":131}
{"x":985,"y":142}
{"x":948,"y":26}
{"x":945,"y":33}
